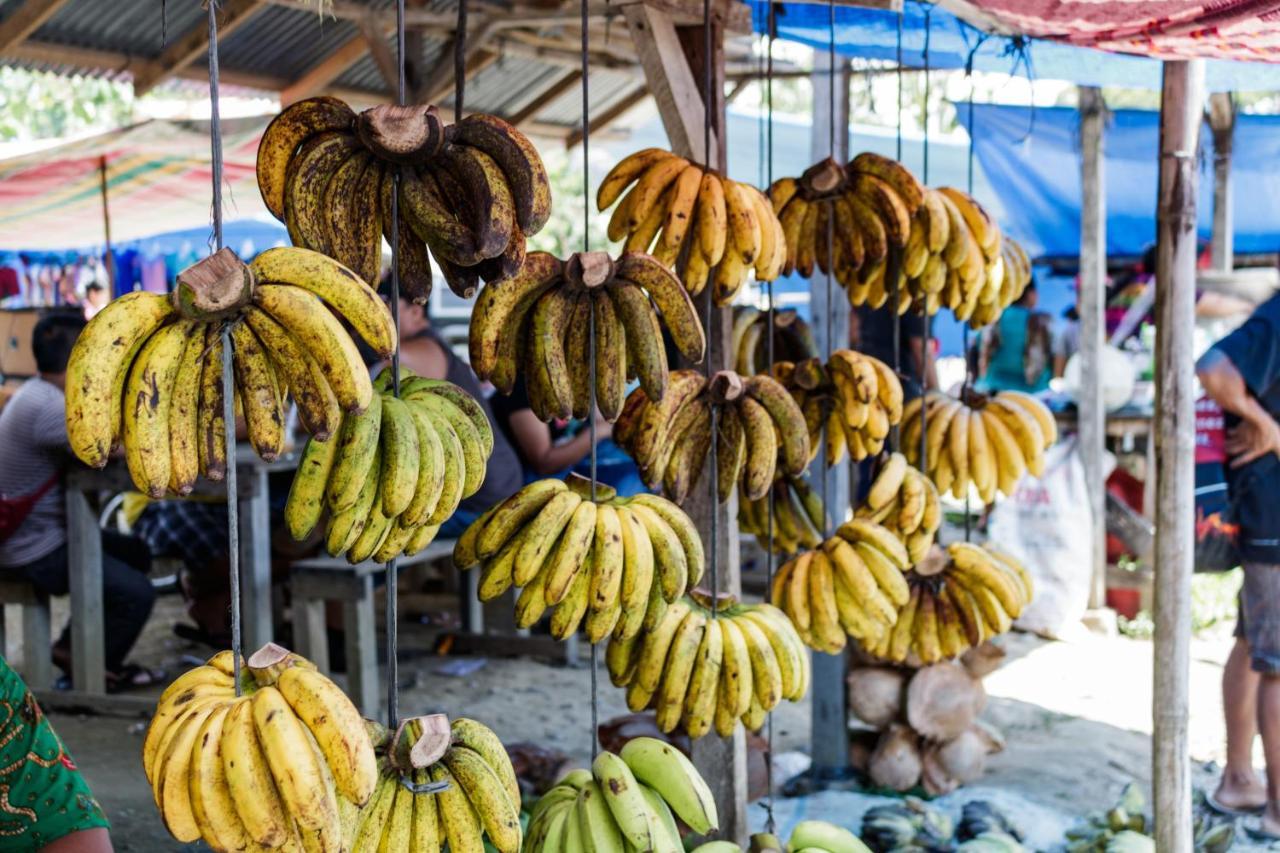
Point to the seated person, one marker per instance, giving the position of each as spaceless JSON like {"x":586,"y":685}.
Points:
{"x":48,"y":805}
{"x":34,"y":453}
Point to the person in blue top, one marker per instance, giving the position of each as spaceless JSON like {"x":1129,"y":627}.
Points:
{"x":1242,"y":374}
{"x":1015,"y":352}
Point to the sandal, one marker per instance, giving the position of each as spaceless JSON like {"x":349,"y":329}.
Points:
{"x":131,"y":676}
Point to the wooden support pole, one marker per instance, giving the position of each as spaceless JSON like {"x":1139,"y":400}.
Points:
{"x":1181,"y":106}
{"x":1089,"y":305}
{"x":830,"y":310}
{"x":674,"y":71}
{"x":1222,"y":120}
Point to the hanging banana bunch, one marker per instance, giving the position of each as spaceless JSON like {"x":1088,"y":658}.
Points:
{"x":711,"y":663}
{"x":761,"y":431}
{"x":146,"y":372}
{"x":694,"y":221}
{"x":799,"y":517}
{"x":792,"y":338}
{"x":537,"y":323}
{"x":618,"y":562}
{"x":956,"y":602}
{"x":854,"y":585}
{"x":905,"y":501}
{"x":988,"y":442}
{"x":471,"y":192}
{"x":855,"y":397}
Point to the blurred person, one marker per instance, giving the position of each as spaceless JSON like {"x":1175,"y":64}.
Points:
{"x":1066,"y":340}
{"x":47,"y":804}
{"x":34,"y":454}
{"x":871,"y":333}
{"x":95,"y":299}
{"x":1014,"y":352}
{"x":1241,"y":373}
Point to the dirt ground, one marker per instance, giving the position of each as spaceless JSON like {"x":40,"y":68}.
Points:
{"x":1077,"y":717}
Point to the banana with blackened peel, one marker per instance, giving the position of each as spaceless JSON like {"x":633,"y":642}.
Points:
{"x":987,"y":442}
{"x":600,"y":560}
{"x":703,"y":665}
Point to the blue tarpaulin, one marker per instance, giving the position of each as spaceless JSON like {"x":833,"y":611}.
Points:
{"x":873,"y":34}
{"x":1031,"y":159}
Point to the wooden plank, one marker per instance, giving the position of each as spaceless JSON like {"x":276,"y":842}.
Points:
{"x":1089,"y":304}
{"x":1181,"y":106}
{"x":440,"y":80}
{"x":99,"y":704}
{"x":326,"y":71}
{"x":310,"y":637}
{"x":375,"y":38}
{"x":255,"y":561}
{"x":1222,"y":120}
{"x":37,"y":663}
{"x":671,"y":80}
{"x":358,"y":628}
{"x":732,"y":15}
{"x":84,"y":562}
{"x":830,"y":726}
{"x":609,"y":116}
{"x":25,"y":20}
{"x":194,"y":43}
{"x":546,"y":98}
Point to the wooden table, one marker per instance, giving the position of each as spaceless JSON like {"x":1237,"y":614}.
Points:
{"x":84,"y":545}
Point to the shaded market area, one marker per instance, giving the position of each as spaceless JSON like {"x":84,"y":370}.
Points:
{"x":651,"y":425}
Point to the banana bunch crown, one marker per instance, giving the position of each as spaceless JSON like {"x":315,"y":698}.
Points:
{"x":542,"y":322}
{"x":987,"y":443}
{"x":280,"y":765}
{"x":471,"y":193}
{"x":393,"y":473}
{"x":618,"y":562}
{"x":460,"y":792}
{"x":749,"y":340}
{"x":853,"y":585}
{"x":799,"y":518}
{"x":956,"y":602}
{"x":146,"y":372}
{"x":627,"y":800}
{"x":905,"y":501}
{"x":661,"y":202}
{"x":761,"y":431}
{"x":711,"y":663}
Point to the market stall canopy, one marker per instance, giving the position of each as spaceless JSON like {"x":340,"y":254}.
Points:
{"x":953,"y":44}
{"x":1031,"y":158}
{"x":157,"y":179}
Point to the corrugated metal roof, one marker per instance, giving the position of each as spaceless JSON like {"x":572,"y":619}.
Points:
{"x":606,"y":87}
{"x":134,"y":28}
{"x":284,"y":42}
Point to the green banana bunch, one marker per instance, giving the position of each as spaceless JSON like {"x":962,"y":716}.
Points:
{"x":394,"y":472}
{"x":618,"y":562}
{"x":626,"y":801}
{"x":909,"y":825}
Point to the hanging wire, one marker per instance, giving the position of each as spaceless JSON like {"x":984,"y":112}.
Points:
{"x":898,"y":73}
{"x":926,"y":343}
{"x":968,"y":368}
{"x":830,"y":276}
{"x":710,"y":103}
{"x":392,"y":567}
{"x":228,"y":380}
{"x":459,"y":54}
{"x":770,"y":824}
{"x":591,"y":339}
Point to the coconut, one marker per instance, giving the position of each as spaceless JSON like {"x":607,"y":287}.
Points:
{"x":876,"y":694}
{"x":983,"y":660}
{"x":964,"y":757}
{"x":895,"y":764}
{"x":943,"y":700}
{"x":934,"y":777}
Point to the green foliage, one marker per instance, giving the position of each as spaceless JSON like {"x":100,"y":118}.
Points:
{"x":562,"y":235}
{"x":41,"y":105}
{"x":1214,"y":599}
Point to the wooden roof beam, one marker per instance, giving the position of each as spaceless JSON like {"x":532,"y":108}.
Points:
{"x":25,"y":20}
{"x":544,"y":100}
{"x":609,"y":116}
{"x":194,"y":44}
{"x":326,"y":71}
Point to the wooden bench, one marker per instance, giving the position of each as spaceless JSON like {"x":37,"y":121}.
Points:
{"x":33,"y":613}
{"x":317,"y":580}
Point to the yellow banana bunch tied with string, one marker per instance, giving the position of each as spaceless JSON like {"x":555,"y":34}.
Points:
{"x":710,"y":663}
{"x":985,"y":441}
{"x":146,"y":372}
{"x":970,"y":595}
{"x":856,"y":398}
{"x":905,"y":501}
{"x":709,"y":228}
{"x":619,"y":563}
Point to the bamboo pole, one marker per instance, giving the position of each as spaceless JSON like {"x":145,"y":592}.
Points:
{"x":1089,"y":304}
{"x":1181,"y":105}
{"x":1222,"y":120}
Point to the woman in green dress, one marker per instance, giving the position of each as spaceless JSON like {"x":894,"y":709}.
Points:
{"x":1015,"y":352}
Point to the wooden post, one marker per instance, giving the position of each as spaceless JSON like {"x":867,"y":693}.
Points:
{"x":1089,"y":305}
{"x":108,"y":259}
{"x":1181,"y":105}
{"x":1222,"y":120}
{"x":830,"y":311}
{"x":672,"y":59}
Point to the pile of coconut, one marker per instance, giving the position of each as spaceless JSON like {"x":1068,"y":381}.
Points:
{"x":921,"y":727}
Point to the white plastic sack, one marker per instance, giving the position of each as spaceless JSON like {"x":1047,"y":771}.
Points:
{"x":1046,"y":524}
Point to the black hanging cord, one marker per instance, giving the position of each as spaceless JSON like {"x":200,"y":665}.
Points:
{"x":898,"y":73}
{"x":392,"y":567}
{"x":770,"y":824}
{"x":968,"y":374}
{"x":228,"y":380}
{"x":459,"y":55}
{"x":830,"y":236}
{"x":713,"y":482}
{"x":591,"y":338}
{"x":926,"y":342}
